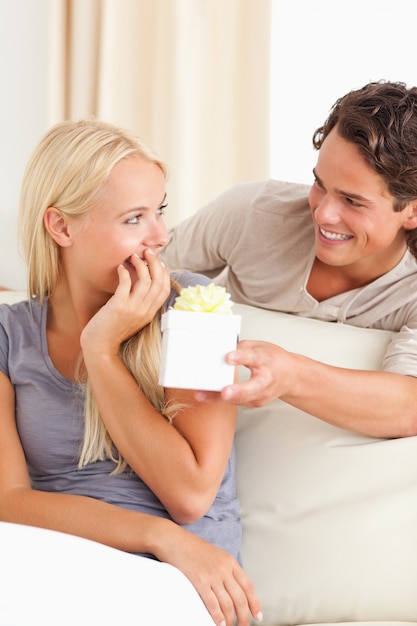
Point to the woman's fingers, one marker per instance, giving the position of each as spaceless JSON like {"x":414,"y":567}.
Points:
{"x":247,"y":600}
{"x":233,"y":603}
{"x":153,"y":284}
{"x":228,"y":593}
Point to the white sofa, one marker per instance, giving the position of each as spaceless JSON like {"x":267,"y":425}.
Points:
{"x":329,"y":520}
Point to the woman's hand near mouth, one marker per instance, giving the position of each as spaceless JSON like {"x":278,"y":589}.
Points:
{"x":133,"y":305}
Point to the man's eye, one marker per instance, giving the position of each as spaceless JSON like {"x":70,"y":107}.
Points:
{"x":352,"y":202}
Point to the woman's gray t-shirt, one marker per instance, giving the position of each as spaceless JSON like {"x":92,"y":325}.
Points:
{"x":50,"y":418}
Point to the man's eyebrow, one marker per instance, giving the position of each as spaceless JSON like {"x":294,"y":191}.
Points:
{"x":348,"y":194}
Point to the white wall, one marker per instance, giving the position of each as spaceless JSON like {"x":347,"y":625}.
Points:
{"x":23,"y":37}
{"x":321,"y":50}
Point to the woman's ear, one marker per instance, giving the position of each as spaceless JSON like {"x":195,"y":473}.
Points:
{"x":56,"y":225}
{"x":411,"y":220}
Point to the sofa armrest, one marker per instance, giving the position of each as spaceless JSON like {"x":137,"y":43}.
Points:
{"x":49,"y":578}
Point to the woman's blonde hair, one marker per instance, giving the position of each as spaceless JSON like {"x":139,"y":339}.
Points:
{"x":67,"y":171}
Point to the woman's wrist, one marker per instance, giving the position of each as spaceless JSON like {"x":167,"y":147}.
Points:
{"x":158,"y":535}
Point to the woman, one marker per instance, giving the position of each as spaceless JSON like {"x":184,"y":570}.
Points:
{"x":90,"y":444}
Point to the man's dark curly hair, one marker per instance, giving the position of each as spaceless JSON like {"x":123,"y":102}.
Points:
{"x":381,"y":120}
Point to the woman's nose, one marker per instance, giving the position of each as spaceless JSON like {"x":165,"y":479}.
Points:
{"x":157,"y":236}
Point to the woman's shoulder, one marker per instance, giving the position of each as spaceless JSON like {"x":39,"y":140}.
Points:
{"x":19,"y":329}
{"x":17,"y":314}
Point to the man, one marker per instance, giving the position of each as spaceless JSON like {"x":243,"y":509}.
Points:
{"x":344,"y":250}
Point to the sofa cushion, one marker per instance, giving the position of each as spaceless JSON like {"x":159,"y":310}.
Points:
{"x":329,"y":516}
{"x":10,"y":297}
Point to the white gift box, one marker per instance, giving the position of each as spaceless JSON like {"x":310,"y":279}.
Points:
{"x":194,"y":346}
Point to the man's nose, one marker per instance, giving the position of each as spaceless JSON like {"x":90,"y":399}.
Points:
{"x":327,"y":210}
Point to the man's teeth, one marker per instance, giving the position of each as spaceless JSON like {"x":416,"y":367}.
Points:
{"x":334,"y":236}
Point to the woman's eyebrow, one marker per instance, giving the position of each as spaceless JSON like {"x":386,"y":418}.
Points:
{"x":142,"y":208}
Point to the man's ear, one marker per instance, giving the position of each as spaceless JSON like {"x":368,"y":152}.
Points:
{"x":411,"y":220}
{"x":56,"y":225}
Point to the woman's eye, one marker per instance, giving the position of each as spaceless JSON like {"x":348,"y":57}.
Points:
{"x":161,"y":209}
{"x":133,"y":220}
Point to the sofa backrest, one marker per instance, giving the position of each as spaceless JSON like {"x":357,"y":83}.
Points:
{"x":10,"y":297}
{"x":329,"y":516}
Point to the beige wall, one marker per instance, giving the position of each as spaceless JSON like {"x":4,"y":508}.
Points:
{"x":317,"y":55}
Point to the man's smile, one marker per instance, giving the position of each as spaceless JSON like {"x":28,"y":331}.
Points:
{"x":334,"y":236}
